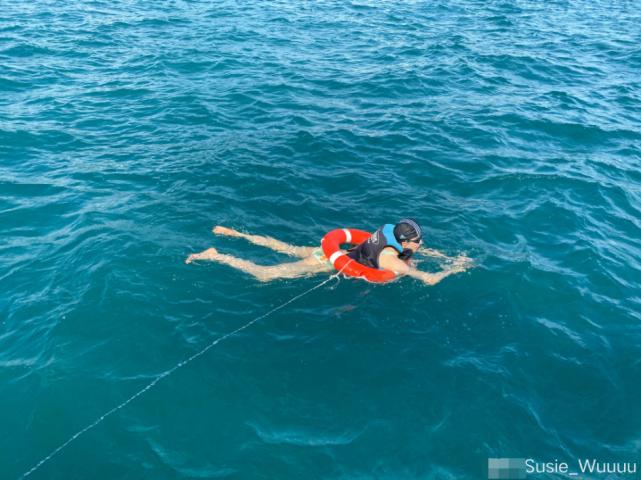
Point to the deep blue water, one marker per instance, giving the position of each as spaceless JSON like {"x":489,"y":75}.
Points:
{"x":510,"y":129}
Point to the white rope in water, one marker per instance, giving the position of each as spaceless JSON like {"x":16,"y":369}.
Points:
{"x":172,"y":370}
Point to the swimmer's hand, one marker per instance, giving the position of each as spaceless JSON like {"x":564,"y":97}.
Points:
{"x":461,"y":263}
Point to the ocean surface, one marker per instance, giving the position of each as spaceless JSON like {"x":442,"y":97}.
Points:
{"x":510,"y":129}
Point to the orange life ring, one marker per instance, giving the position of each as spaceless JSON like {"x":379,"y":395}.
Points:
{"x":331,"y":244}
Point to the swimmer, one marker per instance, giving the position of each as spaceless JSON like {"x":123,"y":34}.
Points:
{"x":389,"y":248}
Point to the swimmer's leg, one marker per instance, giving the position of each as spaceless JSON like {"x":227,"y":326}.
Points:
{"x":264,"y":241}
{"x":264,"y":273}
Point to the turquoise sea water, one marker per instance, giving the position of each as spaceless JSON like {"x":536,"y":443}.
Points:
{"x":511,"y":130}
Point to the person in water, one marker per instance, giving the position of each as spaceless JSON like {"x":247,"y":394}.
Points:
{"x":391,"y":247}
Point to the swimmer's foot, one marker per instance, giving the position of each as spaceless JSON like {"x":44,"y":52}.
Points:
{"x":209,"y":254}
{"x":230,"y":232}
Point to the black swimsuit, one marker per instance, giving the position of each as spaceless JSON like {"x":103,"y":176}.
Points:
{"x":367,"y":252}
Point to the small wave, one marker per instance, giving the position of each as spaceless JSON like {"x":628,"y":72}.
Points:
{"x":303,"y":437}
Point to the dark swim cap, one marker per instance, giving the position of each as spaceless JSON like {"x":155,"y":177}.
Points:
{"x":408,"y":230}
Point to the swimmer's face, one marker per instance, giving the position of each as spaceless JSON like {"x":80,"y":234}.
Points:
{"x":414,"y":246}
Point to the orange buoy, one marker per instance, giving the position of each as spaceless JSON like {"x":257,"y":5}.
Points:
{"x":331,"y":244}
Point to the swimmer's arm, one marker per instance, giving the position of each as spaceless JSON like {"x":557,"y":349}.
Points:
{"x":430,"y":252}
{"x":433,"y":278}
{"x":398,"y":266}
